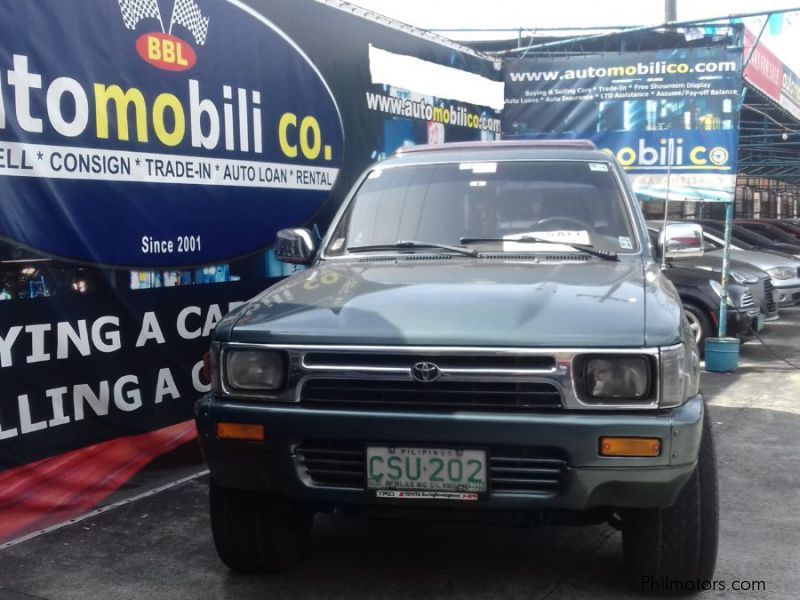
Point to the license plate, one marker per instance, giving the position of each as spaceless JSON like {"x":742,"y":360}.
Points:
{"x":431,"y":470}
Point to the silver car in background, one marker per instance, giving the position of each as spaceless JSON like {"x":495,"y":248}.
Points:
{"x":782,"y":268}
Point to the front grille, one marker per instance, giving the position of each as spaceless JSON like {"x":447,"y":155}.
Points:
{"x":747,"y":300}
{"x":443,"y":395}
{"x":512,"y":469}
{"x":333,"y":464}
{"x":522,"y":470}
{"x":406,"y":361}
{"x":770,"y":296}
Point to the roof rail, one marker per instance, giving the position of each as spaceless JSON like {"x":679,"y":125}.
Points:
{"x":566,"y":144}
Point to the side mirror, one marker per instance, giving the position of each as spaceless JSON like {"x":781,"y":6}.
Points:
{"x":295,"y":246}
{"x":681,"y":240}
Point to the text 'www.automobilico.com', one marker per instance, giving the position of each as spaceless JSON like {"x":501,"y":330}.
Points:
{"x":649,"y":583}
{"x":639,"y":69}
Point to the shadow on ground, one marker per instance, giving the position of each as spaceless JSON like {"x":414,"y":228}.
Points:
{"x":161,"y":547}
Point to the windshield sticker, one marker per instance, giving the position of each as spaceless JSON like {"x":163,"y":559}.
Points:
{"x":625,"y":243}
{"x":564,"y":237}
{"x":481,"y":167}
{"x":603,"y":167}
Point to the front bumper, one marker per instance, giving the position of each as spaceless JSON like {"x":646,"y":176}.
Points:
{"x":743,"y":324}
{"x":787,"y":293}
{"x":588,"y":480}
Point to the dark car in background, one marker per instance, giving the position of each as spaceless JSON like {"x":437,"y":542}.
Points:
{"x":741,"y":235}
{"x":700,"y":295}
{"x":756,"y":280}
{"x":777,"y":231}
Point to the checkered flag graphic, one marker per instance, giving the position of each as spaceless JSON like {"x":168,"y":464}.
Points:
{"x":188,"y":14}
{"x":134,"y":11}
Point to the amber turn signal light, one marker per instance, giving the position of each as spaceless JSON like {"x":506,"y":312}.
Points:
{"x":241,"y":431}
{"x":630,"y":446}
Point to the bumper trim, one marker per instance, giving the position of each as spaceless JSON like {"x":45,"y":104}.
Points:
{"x":588,"y":481}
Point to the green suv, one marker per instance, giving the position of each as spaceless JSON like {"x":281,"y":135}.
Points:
{"x":483,"y":331}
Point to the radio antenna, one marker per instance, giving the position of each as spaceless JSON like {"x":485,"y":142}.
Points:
{"x":670,"y":149}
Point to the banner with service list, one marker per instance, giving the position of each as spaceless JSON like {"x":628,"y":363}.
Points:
{"x":670,"y":116}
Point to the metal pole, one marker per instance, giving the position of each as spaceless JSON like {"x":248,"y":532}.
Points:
{"x":726,"y":252}
{"x":726,"y":258}
{"x":670,"y":11}
{"x":711,"y":21}
{"x":666,"y":209}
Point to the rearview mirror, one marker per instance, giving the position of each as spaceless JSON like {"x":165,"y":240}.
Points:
{"x":681,"y":240}
{"x":295,"y":246}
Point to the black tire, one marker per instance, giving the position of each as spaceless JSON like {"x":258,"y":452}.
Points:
{"x":679,"y":543}
{"x":258,"y":531}
{"x":703,"y":321}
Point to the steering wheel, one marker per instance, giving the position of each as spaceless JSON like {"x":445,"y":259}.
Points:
{"x":567,"y":221}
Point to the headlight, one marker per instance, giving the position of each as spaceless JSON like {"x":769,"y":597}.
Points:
{"x":255,"y":370}
{"x":743,"y":278}
{"x":781,"y":272}
{"x":717,"y":287}
{"x":680,"y":374}
{"x":609,"y":378}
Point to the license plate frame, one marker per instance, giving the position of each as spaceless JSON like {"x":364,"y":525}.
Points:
{"x":433,"y":450}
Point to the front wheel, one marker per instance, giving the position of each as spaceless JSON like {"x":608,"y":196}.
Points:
{"x":699,"y":324}
{"x":678,"y":543}
{"x":258,"y":531}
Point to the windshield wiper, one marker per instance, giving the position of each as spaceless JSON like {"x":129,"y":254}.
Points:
{"x":599,"y":252}
{"x":408,"y":244}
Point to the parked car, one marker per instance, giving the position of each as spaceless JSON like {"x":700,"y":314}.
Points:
{"x":756,"y":280}
{"x":783,"y":269}
{"x":700,"y":295}
{"x":741,"y":236}
{"x":483,"y":332}
{"x":775,"y":230}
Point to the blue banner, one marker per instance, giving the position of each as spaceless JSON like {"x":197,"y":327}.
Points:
{"x":669,"y":117}
{"x":143,"y":132}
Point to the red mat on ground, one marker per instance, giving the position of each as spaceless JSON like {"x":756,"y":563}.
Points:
{"x":63,"y":487}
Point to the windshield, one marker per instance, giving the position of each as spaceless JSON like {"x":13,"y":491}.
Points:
{"x":573,"y":202}
{"x":717,"y":236}
{"x":770,"y":232}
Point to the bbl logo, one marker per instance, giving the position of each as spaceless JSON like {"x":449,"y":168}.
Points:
{"x":164,"y":50}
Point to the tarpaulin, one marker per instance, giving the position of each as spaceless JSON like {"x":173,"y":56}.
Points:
{"x":149,"y":152}
{"x":661,"y":113}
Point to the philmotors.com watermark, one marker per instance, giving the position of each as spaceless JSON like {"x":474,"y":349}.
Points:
{"x":665,"y":584}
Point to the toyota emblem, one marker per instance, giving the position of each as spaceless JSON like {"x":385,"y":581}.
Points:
{"x":425,"y":372}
